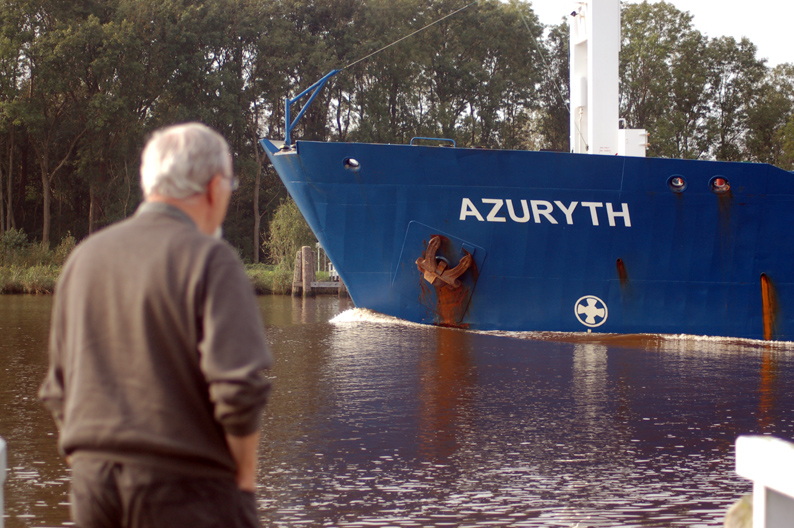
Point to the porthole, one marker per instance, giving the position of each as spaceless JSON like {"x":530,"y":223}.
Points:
{"x":676,"y":183}
{"x":719,"y":185}
{"x":351,"y":164}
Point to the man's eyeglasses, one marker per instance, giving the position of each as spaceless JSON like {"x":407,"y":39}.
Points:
{"x":234,"y":182}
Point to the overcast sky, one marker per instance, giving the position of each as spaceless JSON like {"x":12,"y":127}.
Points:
{"x":764,"y":22}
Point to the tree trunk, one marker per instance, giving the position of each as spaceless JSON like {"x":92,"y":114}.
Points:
{"x":2,"y":203}
{"x":257,"y":216}
{"x":47,"y":198}
{"x":91,"y":208}
{"x":47,"y":177}
{"x":9,"y":218}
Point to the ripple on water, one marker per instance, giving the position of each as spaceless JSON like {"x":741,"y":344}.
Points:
{"x":377,"y":422}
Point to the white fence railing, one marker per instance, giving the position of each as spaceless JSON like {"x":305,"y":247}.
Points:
{"x":769,"y":463}
{"x":2,"y":479}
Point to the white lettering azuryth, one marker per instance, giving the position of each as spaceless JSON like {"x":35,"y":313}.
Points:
{"x":542,"y":211}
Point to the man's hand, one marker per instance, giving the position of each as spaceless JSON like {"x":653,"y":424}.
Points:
{"x":244,"y":452}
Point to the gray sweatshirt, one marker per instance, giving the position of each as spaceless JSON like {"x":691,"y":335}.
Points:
{"x":156,"y":346}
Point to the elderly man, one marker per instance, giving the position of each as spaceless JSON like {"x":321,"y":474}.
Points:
{"x":156,"y":353}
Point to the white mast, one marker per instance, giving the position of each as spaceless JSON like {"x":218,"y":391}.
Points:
{"x":594,"y":48}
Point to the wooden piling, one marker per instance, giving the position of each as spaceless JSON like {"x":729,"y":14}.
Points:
{"x":297,"y":274}
{"x":343,"y":293}
{"x":308,"y":275}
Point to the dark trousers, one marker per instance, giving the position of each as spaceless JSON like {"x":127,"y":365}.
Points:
{"x":107,"y":494}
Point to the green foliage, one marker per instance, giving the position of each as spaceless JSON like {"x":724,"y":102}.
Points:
{"x":16,"y":250}
{"x":288,"y":233}
{"x":41,"y":278}
{"x":82,"y":84}
{"x":663,"y":78}
{"x":29,"y":267}
{"x":767,"y":118}
{"x":698,"y":97}
{"x":734,"y":81}
{"x":65,"y":247}
{"x":270,"y":279}
{"x":553,"y":120}
{"x":650,"y":36}
{"x":38,"y":279}
{"x":786,"y":137}
{"x":13,"y":240}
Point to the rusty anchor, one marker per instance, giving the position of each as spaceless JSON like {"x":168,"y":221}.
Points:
{"x":434,"y":269}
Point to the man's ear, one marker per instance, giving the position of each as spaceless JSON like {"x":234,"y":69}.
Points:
{"x":213,"y":188}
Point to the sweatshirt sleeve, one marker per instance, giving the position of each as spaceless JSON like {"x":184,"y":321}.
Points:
{"x":51,"y":392}
{"x":233,"y":348}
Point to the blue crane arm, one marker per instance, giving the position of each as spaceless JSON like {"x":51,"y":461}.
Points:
{"x":316,"y":87}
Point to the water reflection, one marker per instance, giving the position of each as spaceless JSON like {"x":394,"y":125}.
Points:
{"x":590,"y":380}
{"x":767,"y":391}
{"x":374,"y":422}
{"x":445,"y":381}
{"x":36,"y":481}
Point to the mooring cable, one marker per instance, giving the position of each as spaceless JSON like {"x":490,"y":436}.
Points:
{"x":554,"y":81}
{"x":408,"y":36}
{"x":545,"y":63}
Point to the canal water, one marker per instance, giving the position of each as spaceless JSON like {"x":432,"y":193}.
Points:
{"x":377,"y":422}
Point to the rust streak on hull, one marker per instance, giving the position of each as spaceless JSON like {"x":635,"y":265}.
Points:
{"x":769,"y":307}
{"x":452,"y":304}
{"x":622,"y":274}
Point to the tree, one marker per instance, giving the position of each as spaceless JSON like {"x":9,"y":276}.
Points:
{"x":661,"y":88}
{"x":288,"y":233}
{"x":734,"y":81}
{"x":554,"y":93}
{"x":267,"y":68}
{"x":768,"y":114}
{"x":786,"y":159}
{"x":51,"y":112}
{"x":383,"y":103}
{"x":681,"y":133}
{"x":82,"y":83}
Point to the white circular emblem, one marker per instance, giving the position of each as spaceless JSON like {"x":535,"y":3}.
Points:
{"x":591,"y":311}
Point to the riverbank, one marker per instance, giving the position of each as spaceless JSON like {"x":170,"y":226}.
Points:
{"x":31,"y":268}
{"x":269,"y":279}
{"x":40,"y":279}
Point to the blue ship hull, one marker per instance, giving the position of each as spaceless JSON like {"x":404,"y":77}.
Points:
{"x":552,"y":241}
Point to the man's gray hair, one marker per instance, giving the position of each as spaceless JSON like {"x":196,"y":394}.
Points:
{"x":180,"y":160}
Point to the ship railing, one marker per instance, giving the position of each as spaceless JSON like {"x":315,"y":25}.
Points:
{"x":454,"y":144}
{"x":769,"y":463}
{"x":315,"y":90}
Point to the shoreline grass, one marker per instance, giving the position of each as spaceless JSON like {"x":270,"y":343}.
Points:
{"x":40,"y":279}
{"x":31,"y":268}
{"x":269,"y":279}
{"x":36,"y":280}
